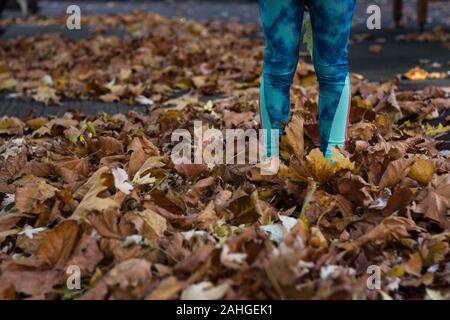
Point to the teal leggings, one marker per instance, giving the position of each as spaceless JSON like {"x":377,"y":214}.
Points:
{"x":331,"y":23}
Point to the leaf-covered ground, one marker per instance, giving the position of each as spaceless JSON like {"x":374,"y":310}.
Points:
{"x":101,"y":193}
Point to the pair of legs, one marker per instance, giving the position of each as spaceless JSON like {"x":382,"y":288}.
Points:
{"x":282,"y":23}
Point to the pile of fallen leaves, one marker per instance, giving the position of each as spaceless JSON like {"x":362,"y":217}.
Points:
{"x":100,"y":194}
{"x":156,"y":59}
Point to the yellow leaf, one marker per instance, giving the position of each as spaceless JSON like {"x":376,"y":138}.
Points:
{"x":323,"y":169}
{"x":397,"y":271}
{"x":434,"y":131}
{"x":36,"y":123}
{"x":416,"y":74}
{"x":317,"y":238}
{"x":8,"y":84}
{"x":341,"y":162}
{"x":422,"y":171}
{"x":320,"y":167}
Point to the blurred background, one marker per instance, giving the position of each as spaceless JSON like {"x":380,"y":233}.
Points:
{"x":377,"y":54}
{"x":414,"y":33}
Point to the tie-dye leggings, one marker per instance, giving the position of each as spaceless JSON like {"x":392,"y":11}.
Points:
{"x":331,"y":23}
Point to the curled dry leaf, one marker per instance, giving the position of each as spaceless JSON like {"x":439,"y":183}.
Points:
{"x":391,"y":228}
{"x":143,"y":175}
{"x":395,"y":171}
{"x":294,"y":135}
{"x":32,"y":195}
{"x":100,"y":181}
{"x":149,"y":223}
{"x":436,"y":203}
{"x":127,"y":280}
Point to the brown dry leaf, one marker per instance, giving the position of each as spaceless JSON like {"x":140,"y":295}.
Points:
{"x":167,"y":289}
{"x":107,"y":146}
{"x":266,"y":212}
{"x":72,"y":170}
{"x":280,"y":266}
{"x":141,"y":148}
{"x":193,"y":195}
{"x":355,"y":189}
{"x":30,"y":282}
{"x":414,"y":265}
{"x":53,"y":125}
{"x":86,"y":254}
{"x":294,"y":136}
{"x":57,"y":245}
{"x":32,"y":195}
{"x":36,"y":123}
{"x":399,"y":200}
{"x":100,"y":181}
{"x":143,"y":175}
{"x":436,"y":203}
{"x":149,"y":223}
{"x":395,"y":171}
{"x":127,"y":280}
{"x":13,"y":159}
{"x":108,"y":224}
{"x":191,"y":170}
{"x":109,"y":97}
{"x":234,"y":119}
{"x":137,"y":159}
{"x":207,"y":218}
{"x":391,"y":228}
{"x":393,"y":149}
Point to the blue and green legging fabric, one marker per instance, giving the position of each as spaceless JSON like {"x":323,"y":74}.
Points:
{"x":331,"y":23}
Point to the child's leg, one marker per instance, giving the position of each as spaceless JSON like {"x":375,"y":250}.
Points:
{"x":331,"y":21}
{"x":282,"y":22}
